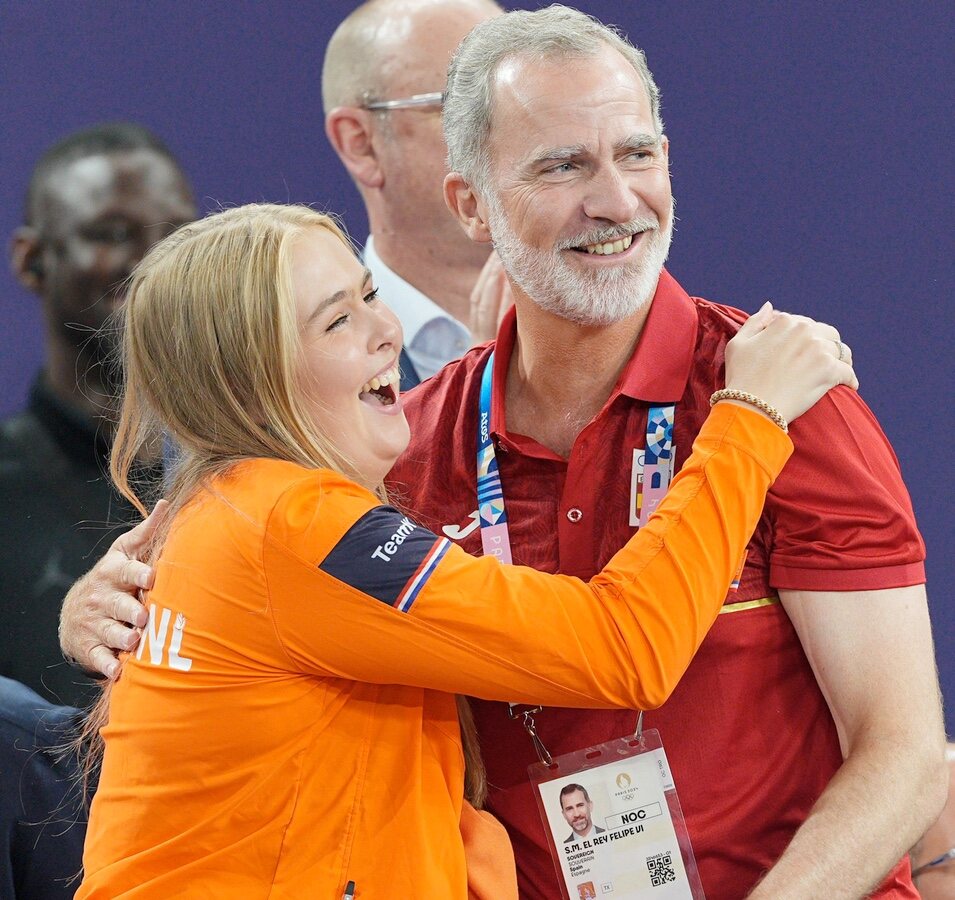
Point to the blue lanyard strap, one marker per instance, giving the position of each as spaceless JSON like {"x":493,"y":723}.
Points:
{"x":495,"y":538}
{"x":492,"y":515}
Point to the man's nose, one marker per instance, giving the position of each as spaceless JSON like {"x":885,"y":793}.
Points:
{"x":611,"y":196}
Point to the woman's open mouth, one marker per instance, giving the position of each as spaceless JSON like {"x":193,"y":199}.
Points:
{"x":381,"y":388}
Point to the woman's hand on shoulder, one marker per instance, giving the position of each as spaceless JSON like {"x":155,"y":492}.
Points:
{"x":788,"y":361}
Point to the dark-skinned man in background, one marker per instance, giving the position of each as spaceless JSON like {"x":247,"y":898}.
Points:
{"x":97,"y":200}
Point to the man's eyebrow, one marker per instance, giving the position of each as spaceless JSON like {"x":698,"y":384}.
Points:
{"x":574,"y":151}
{"x":557,"y":154}
{"x":338,"y":296}
{"x":639,"y":142}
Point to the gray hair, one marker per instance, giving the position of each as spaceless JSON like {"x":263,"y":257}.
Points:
{"x":555,"y":32}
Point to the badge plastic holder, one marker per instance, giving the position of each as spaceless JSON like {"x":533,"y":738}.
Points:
{"x":636,"y":846}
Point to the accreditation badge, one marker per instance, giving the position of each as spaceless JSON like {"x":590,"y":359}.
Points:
{"x":614,"y":821}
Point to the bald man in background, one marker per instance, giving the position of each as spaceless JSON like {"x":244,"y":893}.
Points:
{"x":382,"y":80}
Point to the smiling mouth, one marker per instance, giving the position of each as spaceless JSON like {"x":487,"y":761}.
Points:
{"x":607,"y":248}
{"x":381,"y":388}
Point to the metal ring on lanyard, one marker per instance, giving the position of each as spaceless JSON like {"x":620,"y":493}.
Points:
{"x":543,"y":754}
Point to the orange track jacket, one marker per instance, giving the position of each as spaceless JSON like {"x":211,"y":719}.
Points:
{"x":288,"y":723}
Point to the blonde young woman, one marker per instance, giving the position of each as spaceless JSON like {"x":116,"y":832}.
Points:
{"x":288,"y":726}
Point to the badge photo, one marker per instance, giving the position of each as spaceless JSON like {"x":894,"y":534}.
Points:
{"x":615,"y":824}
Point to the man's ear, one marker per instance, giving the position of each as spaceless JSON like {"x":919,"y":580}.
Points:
{"x":349,"y":131}
{"x":26,"y":261}
{"x":467,"y":207}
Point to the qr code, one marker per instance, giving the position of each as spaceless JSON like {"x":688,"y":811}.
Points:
{"x":660,"y":868}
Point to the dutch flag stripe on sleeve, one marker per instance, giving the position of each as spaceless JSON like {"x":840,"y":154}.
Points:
{"x":428,"y":565}
{"x":387,"y":556}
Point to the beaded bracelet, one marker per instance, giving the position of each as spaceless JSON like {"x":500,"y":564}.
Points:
{"x":752,"y":400}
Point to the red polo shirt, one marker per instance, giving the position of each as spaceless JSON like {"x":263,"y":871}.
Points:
{"x":748,"y":734}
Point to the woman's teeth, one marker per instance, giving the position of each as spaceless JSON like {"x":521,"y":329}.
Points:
{"x":392,"y":376}
{"x":610,"y":247}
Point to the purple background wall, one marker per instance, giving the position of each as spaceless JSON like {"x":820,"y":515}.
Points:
{"x":810,"y":146}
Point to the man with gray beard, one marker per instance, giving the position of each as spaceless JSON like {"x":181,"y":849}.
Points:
{"x":607,"y":295}
{"x":806,"y":737}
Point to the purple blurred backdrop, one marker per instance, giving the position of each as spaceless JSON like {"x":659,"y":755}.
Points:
{"x":810,"y":147}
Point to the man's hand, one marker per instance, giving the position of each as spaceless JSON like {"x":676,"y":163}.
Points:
{"x":490,"y":300}
{"x":102,"y":612}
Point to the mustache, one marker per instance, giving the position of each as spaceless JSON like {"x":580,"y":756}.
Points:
{"x":609,"y":234}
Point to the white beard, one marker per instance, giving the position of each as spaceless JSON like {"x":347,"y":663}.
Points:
{"x":597,"y":298}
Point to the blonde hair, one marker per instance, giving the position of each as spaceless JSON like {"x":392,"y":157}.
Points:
{"x":210,"y":351}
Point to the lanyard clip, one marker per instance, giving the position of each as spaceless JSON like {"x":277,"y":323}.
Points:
{"x":514,"y":711}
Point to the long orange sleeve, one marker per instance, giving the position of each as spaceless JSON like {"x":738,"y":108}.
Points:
{"x":509,"y":632}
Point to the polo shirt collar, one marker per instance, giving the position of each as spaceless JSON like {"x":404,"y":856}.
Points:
{"x":658,"y":370}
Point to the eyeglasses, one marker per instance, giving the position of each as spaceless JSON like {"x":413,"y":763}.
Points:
{"x":417,"y":101}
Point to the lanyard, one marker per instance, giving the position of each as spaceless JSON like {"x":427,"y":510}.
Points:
{"x":492,"y":515}
{"x":657,"y":461}
{"x":495,"y":538}
{"x":490,"y":492}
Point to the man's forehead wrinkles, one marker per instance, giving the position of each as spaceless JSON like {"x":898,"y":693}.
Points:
{"x":552,"y":120}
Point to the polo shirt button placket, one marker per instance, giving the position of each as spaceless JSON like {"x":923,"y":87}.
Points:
{"x":574,"y":515}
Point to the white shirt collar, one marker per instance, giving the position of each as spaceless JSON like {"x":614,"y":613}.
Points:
{"x":413,"y":309}
{"x":432,"y":337}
